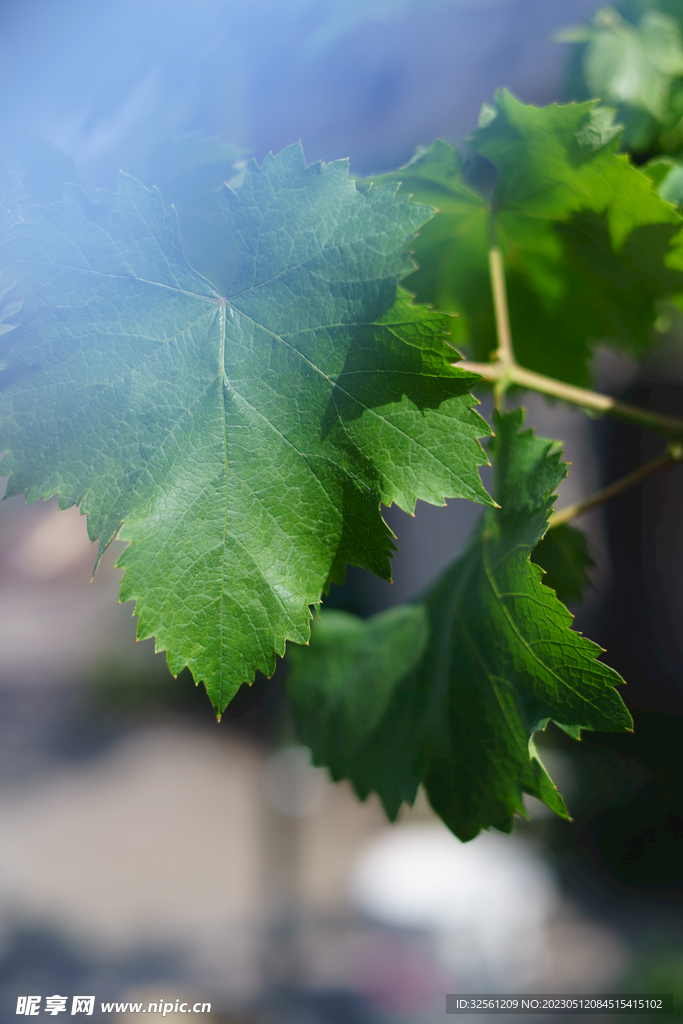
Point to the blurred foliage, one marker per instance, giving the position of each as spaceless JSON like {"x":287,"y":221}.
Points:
{"x":588,"y":247}
{"x":189,"y":172}
{"x":657,"y":973}
{"x":127,"y":687}
{"x":631,"y":56}
{"x":123,"y":691}
{"x":36,"y":168}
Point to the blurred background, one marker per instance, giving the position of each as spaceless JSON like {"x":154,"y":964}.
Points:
{"x":147,"y":852}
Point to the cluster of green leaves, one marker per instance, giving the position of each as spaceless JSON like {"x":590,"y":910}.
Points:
{"x":448,"y":690}
{"x":586,"y":241}
{"x":631,"y":56}
{"x":233,"y":385}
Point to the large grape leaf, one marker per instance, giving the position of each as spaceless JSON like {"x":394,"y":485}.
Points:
{"x":449,"y":689}
{"x":586,"y":240}
{"x":241,"y":444}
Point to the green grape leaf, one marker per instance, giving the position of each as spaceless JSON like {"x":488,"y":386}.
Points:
{"x":448,"y":690}
{"x":564,"y":556}
{"x":241,"y":445}
{"x":586,"y":239}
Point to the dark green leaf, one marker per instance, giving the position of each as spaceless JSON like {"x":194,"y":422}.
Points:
{"x":449,"y":690}
{"x":564,"y":556}
{"x":586,"y":240}
{"x":242,"y":447}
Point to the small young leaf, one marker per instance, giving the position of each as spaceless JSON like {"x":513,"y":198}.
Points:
{"x":564,"y":556}
{"x":241,"y":445}
{"x":449,"y":690}
{"x":586,"y":240}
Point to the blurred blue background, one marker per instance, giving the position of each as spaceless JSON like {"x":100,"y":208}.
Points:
{"x":146,"y":851}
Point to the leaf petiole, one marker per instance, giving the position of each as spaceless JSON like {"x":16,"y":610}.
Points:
{"x":505,"y":352}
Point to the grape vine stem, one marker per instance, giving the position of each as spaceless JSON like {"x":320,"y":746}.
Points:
{"x":668,"y":426}
{"x":505,"y":353}
{"x":504,"y":370}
